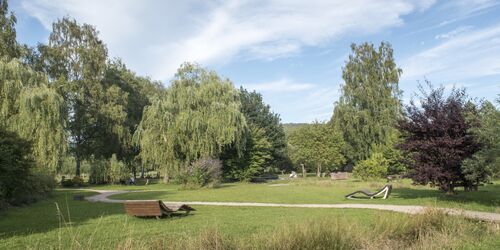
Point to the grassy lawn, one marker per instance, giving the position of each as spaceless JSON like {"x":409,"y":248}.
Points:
{"x":312,"y":190}
{"x":106,"y":225}
{"x":85,"y":225}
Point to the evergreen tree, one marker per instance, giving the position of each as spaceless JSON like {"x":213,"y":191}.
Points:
{"x":369,"y":106}
{"x":197,"y":116}
{"x":265,"y":150}
{"x":260,"y":115}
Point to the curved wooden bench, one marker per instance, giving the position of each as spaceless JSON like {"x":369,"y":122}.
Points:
{"x":154,"y":208}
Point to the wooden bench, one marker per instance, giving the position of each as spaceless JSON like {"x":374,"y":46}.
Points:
{"x":154,"y":208}
{"x":339,"y":176}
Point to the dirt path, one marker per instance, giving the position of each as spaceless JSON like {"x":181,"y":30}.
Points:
{"x":485,"y":216}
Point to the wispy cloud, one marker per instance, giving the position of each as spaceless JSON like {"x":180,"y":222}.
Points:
{"x":463,"y":56}
{"x":453,"y":33}
{"x":155,"y":38}
{"x":281,"y":85}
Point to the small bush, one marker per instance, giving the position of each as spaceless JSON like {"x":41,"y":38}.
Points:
{"x":203,"y":172}
{"x":75,"y":182}
{"x":372,"y":168}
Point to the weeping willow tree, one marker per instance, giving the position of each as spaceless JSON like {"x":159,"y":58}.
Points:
{"x":196,"y":117}
{"x":30,"y":108}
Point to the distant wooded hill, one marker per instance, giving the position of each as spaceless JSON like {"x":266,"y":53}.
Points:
{"x":290,"y":127}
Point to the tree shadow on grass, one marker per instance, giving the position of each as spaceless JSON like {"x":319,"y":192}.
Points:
{"x":45,"y":216}
{"x":486,"y":196}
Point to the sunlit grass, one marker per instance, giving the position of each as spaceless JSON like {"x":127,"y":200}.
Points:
{"x":320,"y":191}
{"x":85,"y":225}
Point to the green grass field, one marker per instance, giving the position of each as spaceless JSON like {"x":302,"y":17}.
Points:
{"x":321,"y":191}
{"x":85,"y":225}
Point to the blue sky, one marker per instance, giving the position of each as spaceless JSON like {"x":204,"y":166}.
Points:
{"x":290,"y":51}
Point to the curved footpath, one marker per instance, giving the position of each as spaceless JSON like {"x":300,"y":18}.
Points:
{"x":485,"y":216}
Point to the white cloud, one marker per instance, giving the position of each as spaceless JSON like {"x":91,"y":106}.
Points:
{"x":156,"y":37}
{"x":281,"y":85}
{"x":453,"y":33}
{"x":466,"y":55}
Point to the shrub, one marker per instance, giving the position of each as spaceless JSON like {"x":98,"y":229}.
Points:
{"x":19,"y":183}
{"x":371,"y":168}
{"x":75,"y":182}
{"x":35,"y":187}
{"x":203,"y":172}
{"x":118,"y":171}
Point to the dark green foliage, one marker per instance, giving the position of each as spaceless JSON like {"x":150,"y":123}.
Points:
{"x":74,"y":182}
{"x":204,"y":172}
{"x":259,"y":114}
{"x":265,"y":149}
{"x":256,"y":159}
{"x":438,"y":136}
{"x":317,"y":146}
{"x":486,"y":162}
{"x":369,"y":106}
{"x":139,"y":91}
{"x":19,"y":183}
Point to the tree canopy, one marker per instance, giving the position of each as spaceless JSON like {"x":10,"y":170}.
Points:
{"x":369,"y":106}
{"x":196,"y":117}
{"x":439,"y":138}
{"x":317,"y":146}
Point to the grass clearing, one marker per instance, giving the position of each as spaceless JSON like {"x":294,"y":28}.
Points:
{"x":85,"y":225}
{"x":320,"y":191}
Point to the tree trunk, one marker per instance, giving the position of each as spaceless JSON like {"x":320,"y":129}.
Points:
{"x":77,"y":166}
{"x":142,"y":171}
{"x":166,"y":177}
{"x":134,"y":172}
{"x":303,"y":171}
{"x":318,"y":171}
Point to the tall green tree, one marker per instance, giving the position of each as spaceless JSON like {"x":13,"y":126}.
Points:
{"x":140,"y":92}
{"x":369,"y":106}
{"x":75,"y":59}
{"x":9,"y":47}
{"x":265,"y":150}
{"x":318,"y":146}
{"x":486,"y":162}
{"x":29,"y":107}
{"x":260,"y":115}
{"x":197,"y":116}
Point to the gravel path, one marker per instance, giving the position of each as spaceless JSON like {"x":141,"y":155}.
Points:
{"x":485,"y":216}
